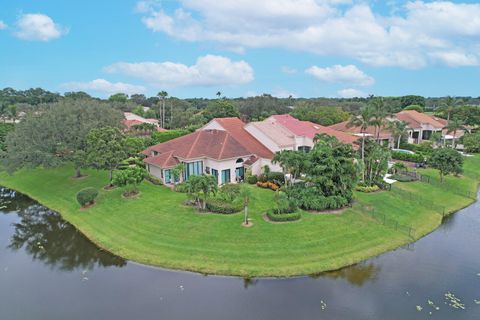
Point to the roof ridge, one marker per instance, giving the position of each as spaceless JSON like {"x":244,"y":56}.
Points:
{"x":224,"y":144}
{"x":194,"y":143}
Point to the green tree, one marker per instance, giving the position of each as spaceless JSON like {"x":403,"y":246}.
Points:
{"x":380,"y":114}
{"x":471,"y":142}
{"x":221,"y":108}
{"x":130,"y":178}
{"x":57,"y":134}
{"x":162,"y":95}
{"x":448,"y":106}
{"x":406,"y":101}
{"x":446,"y":161}
{"x":415,"y":107}
{"x":454,"y":126}
{"x":362,"y":121}
{"x":398,"y":130}
{"x":118,"y":97}
{"x":177,"y":172}
{"x":201,"y":187}
{"x":326,"y":116}
{"x":375,"y":164}
{"x":106,"y":148}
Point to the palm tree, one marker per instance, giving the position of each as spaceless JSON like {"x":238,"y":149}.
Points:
{"x":163,"y":95}
{"x":398,"y":129}
{"x":218,"y":94}
{"x":379,"y":115}
{"x":448,"y":105}
{"x":362,"y":121}
{"x":454,"y":126}
{"x":245,"y":194}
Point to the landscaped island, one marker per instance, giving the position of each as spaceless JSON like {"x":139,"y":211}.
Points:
{"x":156,"y":228}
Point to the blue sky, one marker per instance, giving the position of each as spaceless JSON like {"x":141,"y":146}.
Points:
{"x":194,"y":48}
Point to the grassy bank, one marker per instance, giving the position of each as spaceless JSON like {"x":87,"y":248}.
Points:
{"x":157,"y":229}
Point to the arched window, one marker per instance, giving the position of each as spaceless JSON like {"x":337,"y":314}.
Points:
{"x":239,"y":160}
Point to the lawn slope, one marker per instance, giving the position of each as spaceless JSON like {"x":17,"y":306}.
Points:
{"x":157,"y":229}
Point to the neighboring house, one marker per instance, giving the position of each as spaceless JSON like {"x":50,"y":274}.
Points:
{"x":385,"y":136}
{"x":208,"y":151}
{"x":284,"y":132}
{"x":421,"y":125}
{"x":132,"y":120}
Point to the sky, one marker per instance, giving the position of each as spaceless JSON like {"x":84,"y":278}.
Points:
{"x":195,"y":48}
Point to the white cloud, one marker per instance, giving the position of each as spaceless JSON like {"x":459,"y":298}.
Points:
{"x":105,"y":87}
{"x":341,"y":74}
{"x":3,"y":25}
{"x":415,"y":35}
{"x":351,"y":93}
{"x":288,"y":70}
{"x":38,"y":27}
{"x":281,"y":93}
{"x":208,"y":70}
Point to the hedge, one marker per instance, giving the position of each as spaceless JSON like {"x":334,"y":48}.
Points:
{"x":154,"y":180}
{"x":223,"y":207}
{"x":403,"y":178}
{"x":283,"y":217}
{"x":407,"y":157}
{"x":87,"y":196}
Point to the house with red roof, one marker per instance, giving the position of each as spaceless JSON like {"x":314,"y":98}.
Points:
{"x":385,"y":135}
{"x":421,"y":126}
{"x":284,"y":132}
{"x":227,"y":147}
{"x":131,"y":120}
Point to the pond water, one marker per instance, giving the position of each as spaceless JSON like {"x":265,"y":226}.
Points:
{"x":48,"y":270}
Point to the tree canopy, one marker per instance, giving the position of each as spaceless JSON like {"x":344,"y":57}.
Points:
{"x":446,"y":161}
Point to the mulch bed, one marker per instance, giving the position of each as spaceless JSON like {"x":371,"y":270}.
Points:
{"x":88,"y":206}
{"x":130,"y":195}
{"x":109,"y":187}
{"x":335,"y":211}
{"x":267,"y":219}
{"x":83,"y":176}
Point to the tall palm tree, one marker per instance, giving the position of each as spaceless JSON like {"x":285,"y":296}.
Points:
{"x":218,"y":94}
{"x":362,"y":121}
{"x":454,"y":126}
{"x":449,"y":104}
{"x":380,"y":115}
{"x":245,"y":194}
{"x":162,"y":95}
{"x":398,"y":129}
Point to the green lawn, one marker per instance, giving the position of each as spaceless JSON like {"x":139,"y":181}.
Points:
{"x":157,"y":229}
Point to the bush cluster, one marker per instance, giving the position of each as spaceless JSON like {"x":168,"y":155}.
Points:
{"x":229,"y":192}
{"x":217,"y":205}
{"x":309,"y":198}
{"x":268,"y":185}
{"x":87,"y":196}
{"x":284,"y":217}
{"x":408,"y":157}
{"x":181,"y":187}
{"x":275,"y":177}
{"x":252,"y":179}
{"x":367,"y":189}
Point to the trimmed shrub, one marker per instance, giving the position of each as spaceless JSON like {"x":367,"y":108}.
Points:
{"x":221,"y":206}
{"x":403,"y":178}
{"x":154,"y":180}
{"x":308,"y":198}
{"x":181,"y":187}
{"x":408,"y":157}
{"x":283,"y":217}
{"x":276,"y":177}
{"x":367,"y":189}
{"x":87,"y":196}
{"x":252,"y":180}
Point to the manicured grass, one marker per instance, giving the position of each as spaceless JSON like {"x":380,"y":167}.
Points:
{"x":157,"y":229}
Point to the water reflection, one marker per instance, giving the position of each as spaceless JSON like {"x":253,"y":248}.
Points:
{"x":357,"y":275}
{"x":49,"y":239}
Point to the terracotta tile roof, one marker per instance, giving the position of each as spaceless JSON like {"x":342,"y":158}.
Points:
{"x":277,"y":133}
{"x":343,"y":126}
{"x":214,"y":144}
{"x":130,"y":123}
{"x":236,"y":128}
{"x":415,"y":119}
{"x":163,"y":160}
{"x":310,"y":129}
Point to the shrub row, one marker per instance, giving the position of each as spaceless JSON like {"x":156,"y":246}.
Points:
{"x":403,"y":178}
{"x":276,"y":177}
{"x":153,"y":180}
{"x":407,"y":157}
{"x":268,"y":185}
{"x":309,"y":198}
{"x":220,"y":206}
{"x":283,"y":217}
{"x":367,"y":189}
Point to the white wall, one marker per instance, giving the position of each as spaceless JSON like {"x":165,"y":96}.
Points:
{"x":155,"y":171}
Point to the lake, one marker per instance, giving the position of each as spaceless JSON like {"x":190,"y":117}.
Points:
{"x":48,"y":270}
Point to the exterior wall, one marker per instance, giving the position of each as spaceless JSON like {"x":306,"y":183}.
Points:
{"x":301,"y":141}
{"x":155,"y":171}
{"x":263,"y":138}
